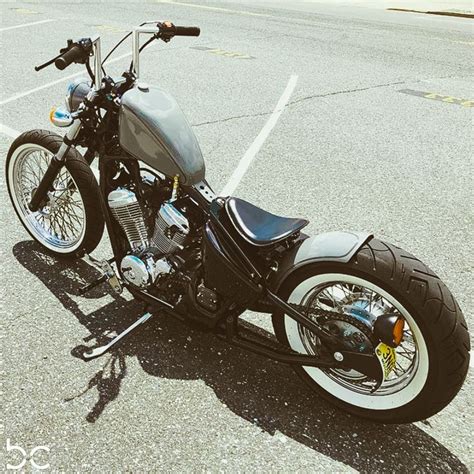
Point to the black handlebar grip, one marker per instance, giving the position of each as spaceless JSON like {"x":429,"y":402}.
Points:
{"x":73,"y":54}
{"x":187,"y":31}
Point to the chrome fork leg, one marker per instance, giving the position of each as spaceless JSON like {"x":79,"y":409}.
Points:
{"x":98,"y":351}
{"x":57,"y":162}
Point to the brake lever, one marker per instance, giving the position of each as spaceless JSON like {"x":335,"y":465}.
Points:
{"x":48,"y":63}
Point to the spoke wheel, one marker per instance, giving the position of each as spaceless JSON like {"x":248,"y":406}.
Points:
{"x":60,"y":222}
{"x":68,"y":220}
{"x":433,"y":358}
{"x":351,"y":297}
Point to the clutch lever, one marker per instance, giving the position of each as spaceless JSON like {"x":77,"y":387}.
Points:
{"x":48,"y":63}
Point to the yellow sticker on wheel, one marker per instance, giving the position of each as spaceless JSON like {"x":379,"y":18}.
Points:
{"x":387,"y":357}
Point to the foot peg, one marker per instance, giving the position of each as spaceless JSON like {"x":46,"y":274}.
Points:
{"x":108,"y":275}
{"x":84,"y":289}
{"x":101,"y":350}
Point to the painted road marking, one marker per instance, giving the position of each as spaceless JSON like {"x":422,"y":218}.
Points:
{"x":216,"y":9}
{"x":250,"y":154}
{"x":443,"y":98}
{"x":24,"y":11}
{"x":24,"y":25}
{"x":222,"y":52}
{"x":110,"y":28}
{"x":263,"y":15}
{"x":8,"y":131}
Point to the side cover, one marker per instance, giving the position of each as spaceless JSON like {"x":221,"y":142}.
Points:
{"x":337,"y":246}
{"x":153,"y":129}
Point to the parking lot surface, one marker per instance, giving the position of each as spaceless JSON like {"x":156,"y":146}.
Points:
{"x":376,"y":135}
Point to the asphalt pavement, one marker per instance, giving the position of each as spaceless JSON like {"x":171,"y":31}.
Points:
{"x":376,"y":136}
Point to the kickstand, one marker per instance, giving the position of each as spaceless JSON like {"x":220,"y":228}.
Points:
{"x":101,"y":350}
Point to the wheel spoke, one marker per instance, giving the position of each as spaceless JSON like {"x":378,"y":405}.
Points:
{"x":347,"y":297}
{"x":61,"y":222}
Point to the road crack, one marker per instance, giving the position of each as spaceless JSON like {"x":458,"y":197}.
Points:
{"x":313,"y":96}
{"x":345,"y":91}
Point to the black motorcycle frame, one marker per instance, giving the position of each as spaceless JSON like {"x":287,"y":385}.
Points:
{"x":222,"y":243}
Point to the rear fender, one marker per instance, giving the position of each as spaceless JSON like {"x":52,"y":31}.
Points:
{"x":338,"y":246}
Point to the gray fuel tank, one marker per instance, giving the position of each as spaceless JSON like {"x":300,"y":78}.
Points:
{"x":153,"y":129}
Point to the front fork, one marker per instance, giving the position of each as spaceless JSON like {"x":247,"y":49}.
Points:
{"x":57,"y":162}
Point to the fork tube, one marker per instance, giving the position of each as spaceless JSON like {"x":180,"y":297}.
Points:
{"x":57,"y":162}
{"x":135,"y":52}
{"x":97,"y":63}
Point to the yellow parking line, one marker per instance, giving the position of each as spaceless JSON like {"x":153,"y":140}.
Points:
{"x":222,"y":52}
{"x":110,"y":28}
{"x":24,"y":11}
{"x":448,"y":99}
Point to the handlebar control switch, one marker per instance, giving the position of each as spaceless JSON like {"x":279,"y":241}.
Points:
{"x":166,"y":31}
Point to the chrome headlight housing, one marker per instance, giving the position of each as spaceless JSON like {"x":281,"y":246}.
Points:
{"x":76,"y":93}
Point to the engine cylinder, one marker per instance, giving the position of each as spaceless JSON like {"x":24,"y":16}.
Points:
{"x":126,"y":210}
{"x":171,"y":229}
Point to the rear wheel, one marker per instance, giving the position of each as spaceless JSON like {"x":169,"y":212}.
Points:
{"x":433,"y":358}
{"x":69,"y":221}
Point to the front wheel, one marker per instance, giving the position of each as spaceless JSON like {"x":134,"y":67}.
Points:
{"x":433,"y":358}
{"x":70,"y":221}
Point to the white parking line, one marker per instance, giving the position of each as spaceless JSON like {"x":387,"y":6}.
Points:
{"x":57,"y":81}
{"x":8,"y":131}
{"x":24,"y":25}
{"x":216,"y":9}
{"x":250,"y":154}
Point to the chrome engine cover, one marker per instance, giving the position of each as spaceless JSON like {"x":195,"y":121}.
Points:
{"x":143,"y":272}
{"x":135,"y":270}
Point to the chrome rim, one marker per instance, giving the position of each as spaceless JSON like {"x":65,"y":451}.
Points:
{"x":353,"y":297}
{"x":365,"y":305}
{"x":60,"y":223}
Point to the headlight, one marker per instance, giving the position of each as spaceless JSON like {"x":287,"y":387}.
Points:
{"x":76,"y":93}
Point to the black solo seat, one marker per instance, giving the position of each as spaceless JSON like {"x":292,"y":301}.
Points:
{"x":259,"y":227}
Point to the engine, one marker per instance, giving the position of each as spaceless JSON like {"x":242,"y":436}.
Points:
{"x":150,"y":245}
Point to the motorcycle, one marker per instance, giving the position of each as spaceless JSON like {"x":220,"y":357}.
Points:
{"x":364,"y":323}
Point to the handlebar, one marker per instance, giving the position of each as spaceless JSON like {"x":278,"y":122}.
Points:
{"x":76,"y":53}
{"x":79,"y":51}
{"x":187,"y":31}
{"x":168,"y":30}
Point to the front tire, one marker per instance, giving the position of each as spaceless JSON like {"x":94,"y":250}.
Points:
{"x":70,"y":221}
{"x":382,"y":278}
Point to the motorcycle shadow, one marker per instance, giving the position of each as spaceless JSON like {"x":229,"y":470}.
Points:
{"x":265,"y":393}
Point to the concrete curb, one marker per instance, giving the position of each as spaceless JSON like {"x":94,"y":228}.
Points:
{"x":442,"y":13}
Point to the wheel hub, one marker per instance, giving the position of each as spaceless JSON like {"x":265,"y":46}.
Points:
{"x":354,"y":335}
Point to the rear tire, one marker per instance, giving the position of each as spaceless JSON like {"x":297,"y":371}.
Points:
{"x":70,"y":222}
{"x":434,"y":318}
